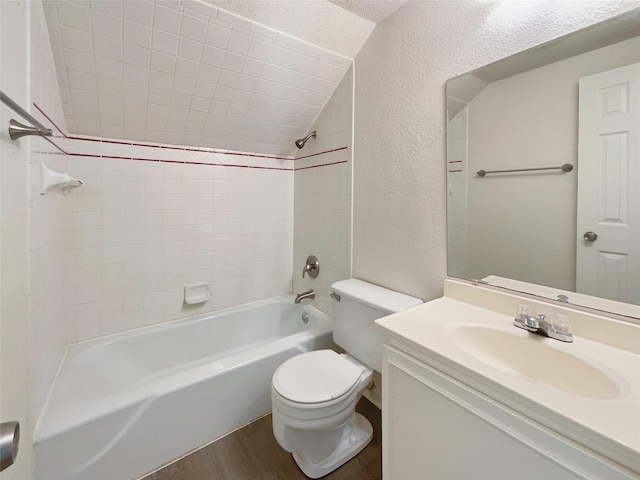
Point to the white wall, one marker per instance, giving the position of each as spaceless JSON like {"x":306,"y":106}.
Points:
{"x":540,"y":209}
{"x":50,"y":237}
{"x":457,"y":208}
{"x":399,"y":140}
{"x":14,"y":319}
{"x":323,"y":177}
{"x":35,"y":234}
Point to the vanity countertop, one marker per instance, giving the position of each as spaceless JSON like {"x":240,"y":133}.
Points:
{"x":588,"y":390}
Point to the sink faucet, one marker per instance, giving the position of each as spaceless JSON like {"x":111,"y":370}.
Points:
{"x":558,"y":330}
{"x":303,"y":295}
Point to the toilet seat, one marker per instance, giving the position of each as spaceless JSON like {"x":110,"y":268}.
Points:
{"x":316,"y":377}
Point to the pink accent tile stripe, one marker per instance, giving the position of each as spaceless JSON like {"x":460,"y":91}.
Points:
{"x":322,"y":165}
{"x":140,"y":159}
{"x":188,"y":149}
{"x":455,"y":171}
{"x":48,"y":139}
{"x":52,"y":122}
{"x":322,"y":153}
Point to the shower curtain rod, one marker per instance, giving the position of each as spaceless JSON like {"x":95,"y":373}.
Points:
{"x":567,"y":167}
{"x":24,"y":114}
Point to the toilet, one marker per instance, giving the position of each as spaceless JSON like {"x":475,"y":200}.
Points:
{"x":314,"y":394}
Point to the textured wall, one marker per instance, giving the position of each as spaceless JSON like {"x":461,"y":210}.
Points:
{"x":399,"y":138}
{"x":318,"y":22}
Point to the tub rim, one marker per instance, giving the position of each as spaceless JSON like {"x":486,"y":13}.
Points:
{"x":47,"y":427}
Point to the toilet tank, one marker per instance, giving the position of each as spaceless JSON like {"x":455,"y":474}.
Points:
{"x":360,"y":304}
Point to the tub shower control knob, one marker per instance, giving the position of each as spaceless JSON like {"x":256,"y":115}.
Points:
{"x":312,"y":267}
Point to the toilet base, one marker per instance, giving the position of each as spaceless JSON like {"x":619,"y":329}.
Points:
{"x":354,"y":440}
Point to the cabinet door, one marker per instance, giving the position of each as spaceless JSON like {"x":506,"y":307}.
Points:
{"x":435,"y":427}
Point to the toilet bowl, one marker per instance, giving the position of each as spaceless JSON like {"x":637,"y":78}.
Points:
{"x":314,"y":394}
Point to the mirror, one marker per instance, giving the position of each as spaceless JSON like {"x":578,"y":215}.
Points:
{"x":531,"y":229}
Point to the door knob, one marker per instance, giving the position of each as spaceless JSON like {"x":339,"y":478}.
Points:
{"x":590,"y":236}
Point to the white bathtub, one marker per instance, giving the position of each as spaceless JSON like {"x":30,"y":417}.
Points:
{"x":126,"y":404}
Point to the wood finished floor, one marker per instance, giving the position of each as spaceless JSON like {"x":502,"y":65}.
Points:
{"x":252,"y":453}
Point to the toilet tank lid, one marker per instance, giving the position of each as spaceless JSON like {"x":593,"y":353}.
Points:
{"x":375,"y":296}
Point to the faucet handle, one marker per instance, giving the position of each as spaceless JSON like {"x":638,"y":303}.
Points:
{"x":561,"y":323}
{"x":522,"y":312}
{"x":312,"y":267}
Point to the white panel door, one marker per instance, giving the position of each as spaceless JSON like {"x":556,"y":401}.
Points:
{"x":608,"y":219}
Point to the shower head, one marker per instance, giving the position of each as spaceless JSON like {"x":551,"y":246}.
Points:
{"x":300,"y":142}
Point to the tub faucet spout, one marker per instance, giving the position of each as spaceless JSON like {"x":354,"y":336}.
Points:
{"x":303,"y":295}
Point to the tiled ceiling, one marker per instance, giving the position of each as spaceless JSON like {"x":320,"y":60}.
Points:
{"x":187,"y":73}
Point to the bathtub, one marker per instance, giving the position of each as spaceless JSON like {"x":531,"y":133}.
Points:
{"x":126,"y":404}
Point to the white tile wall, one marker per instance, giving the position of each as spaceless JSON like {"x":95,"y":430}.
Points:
{"x":323,"y":178}
{"x":151,"y":219}
{"x":267,"y":87}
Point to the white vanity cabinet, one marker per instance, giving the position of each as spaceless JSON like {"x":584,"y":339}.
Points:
{"x":435,"y":427}
{"x":467,"y":395}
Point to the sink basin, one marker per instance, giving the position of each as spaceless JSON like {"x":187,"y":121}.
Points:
{"x":532,"y":358}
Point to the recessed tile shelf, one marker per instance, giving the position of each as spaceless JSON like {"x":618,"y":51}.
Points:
{"x":198,"y":293}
